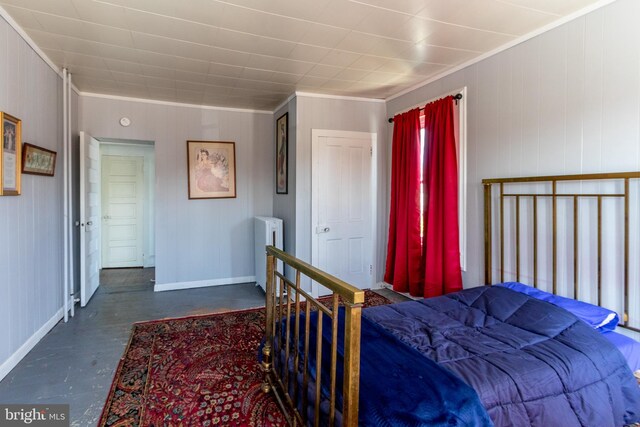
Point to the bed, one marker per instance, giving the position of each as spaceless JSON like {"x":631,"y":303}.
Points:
{"x":490,"y":355}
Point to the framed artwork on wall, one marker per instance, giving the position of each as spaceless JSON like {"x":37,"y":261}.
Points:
{"x":282,"y":154}
{"x":211,"y":167}
{"x":10,"y":155}
{"x":37,"y":160}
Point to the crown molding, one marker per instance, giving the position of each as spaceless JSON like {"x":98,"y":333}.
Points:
{"x":22,"y":33}
{"x":342,"y":97}
{"x":595,"y":6}
{"x":515,"y":42}
{"x":171,"y":103}
{"x":285,"y":102}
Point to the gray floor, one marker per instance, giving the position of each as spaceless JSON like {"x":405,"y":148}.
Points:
{"x":76,"y":361}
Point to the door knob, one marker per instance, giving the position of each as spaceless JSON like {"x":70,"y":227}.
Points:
{"x":322,"y":229}
{"x":89,"y":222}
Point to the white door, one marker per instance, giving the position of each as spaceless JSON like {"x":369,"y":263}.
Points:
{"x":342,"y":206}
{"x":122,"y":211}
{"x":89,"y":216}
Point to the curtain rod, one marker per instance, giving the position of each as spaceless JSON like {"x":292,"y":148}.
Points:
{"x":456,"y":97}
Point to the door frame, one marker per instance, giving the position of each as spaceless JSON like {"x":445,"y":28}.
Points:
{"x":316,"y":134}
{"x":147,"y":150}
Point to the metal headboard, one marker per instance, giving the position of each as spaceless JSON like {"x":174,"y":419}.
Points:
{"x":554,"y":196}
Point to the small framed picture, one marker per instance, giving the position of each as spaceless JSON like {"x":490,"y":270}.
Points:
{"x":37,"y":160}
{"x":212,"y":169}
{"x":282,"y":154}
{"x":10,"y":155}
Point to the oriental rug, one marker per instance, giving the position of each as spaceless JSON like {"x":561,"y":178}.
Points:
{"x":196,"y":371}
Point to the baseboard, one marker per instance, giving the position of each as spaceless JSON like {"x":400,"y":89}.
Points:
{"x":25,"y":348}
{"x":382,"y":285}
{"x":202,"y":283}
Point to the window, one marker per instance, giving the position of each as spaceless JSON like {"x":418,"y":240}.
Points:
{"x":460,"y":124}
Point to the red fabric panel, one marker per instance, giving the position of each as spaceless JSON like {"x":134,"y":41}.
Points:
{"x":441,"y":239}
{"x":405,"y":269}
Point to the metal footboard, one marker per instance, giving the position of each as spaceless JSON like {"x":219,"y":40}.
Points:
{"x":285,"y":302}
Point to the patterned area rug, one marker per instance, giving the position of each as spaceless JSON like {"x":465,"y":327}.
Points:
{"x":195,"y":371}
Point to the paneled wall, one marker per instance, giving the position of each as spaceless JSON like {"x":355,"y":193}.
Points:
{"x":196,"y":240}
{"x":31,"y":224}
{"x":565,"y":102}
{"x":284,"y":205}
{"x":338,"y":114}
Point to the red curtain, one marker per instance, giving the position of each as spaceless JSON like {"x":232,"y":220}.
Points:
{"x":405,"y":269}
{"x":441,"y":239}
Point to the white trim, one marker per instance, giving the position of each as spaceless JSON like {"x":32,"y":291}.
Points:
{"x":66,"y":179}
{"x":462,"y":177}
{"x":170,"y":103}
{"x":29,"y":40}
{"x":315,"y":137}
{"x":5,"y":15}
{"x":462,"y":166}
{"x":381,"y":285}
{"x":285,"y":102}
{"x":345,"y":98}
{"x":515,"y":42}
{"x":202,"y":283}
{"x":429,"y":101}
{"x":25,"y":348}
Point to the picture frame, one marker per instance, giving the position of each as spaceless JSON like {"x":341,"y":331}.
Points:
{"x":10,"y":155}
{"x":38,"y":160}
{"x":282,"y":154}
{"x":211,"y":167}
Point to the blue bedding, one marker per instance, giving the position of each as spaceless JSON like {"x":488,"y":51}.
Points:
{"x":629,"y":348}
{"x":531,"y":363}
{"x":398,"y":385}
{"x":599,"y":318}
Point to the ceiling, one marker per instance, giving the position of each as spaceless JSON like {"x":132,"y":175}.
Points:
{"x":255,"y":53}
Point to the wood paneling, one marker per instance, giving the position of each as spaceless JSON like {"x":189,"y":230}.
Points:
{"x":348,"y":115}
{"x":284,"y":205}
{"x":565,"y":102}
{"x":196,"y":239}
{"x":30,"y":224}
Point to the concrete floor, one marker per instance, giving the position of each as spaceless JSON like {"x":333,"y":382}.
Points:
{"x":75,"y":362}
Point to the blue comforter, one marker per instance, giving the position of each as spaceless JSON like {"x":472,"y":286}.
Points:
{"x":532,"y":363}
{"x":398,"y":385}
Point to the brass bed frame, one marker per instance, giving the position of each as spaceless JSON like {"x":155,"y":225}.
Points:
{"x":279,"y":306}
{"x":554,"y":195}
{"x":284,"y":299}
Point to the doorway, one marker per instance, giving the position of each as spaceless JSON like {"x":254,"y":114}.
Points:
{"x":343,"y":206}
{"x":117,"y":209}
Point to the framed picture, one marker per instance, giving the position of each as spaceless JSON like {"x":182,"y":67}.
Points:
{"x":37,"y":160}
{"x":212,"y":169}
{"x":282,"y":155}
{"x":10,"y":155}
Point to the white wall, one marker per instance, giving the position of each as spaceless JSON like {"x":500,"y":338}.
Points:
{"x":30,"y":224}
{"x":284,"y":205}
{"x":196,"y":240}
{"x":565,"y":102}
{"x":338,"y":114}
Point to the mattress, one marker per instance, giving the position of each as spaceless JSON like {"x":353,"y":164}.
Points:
{"x":629,"y":348}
